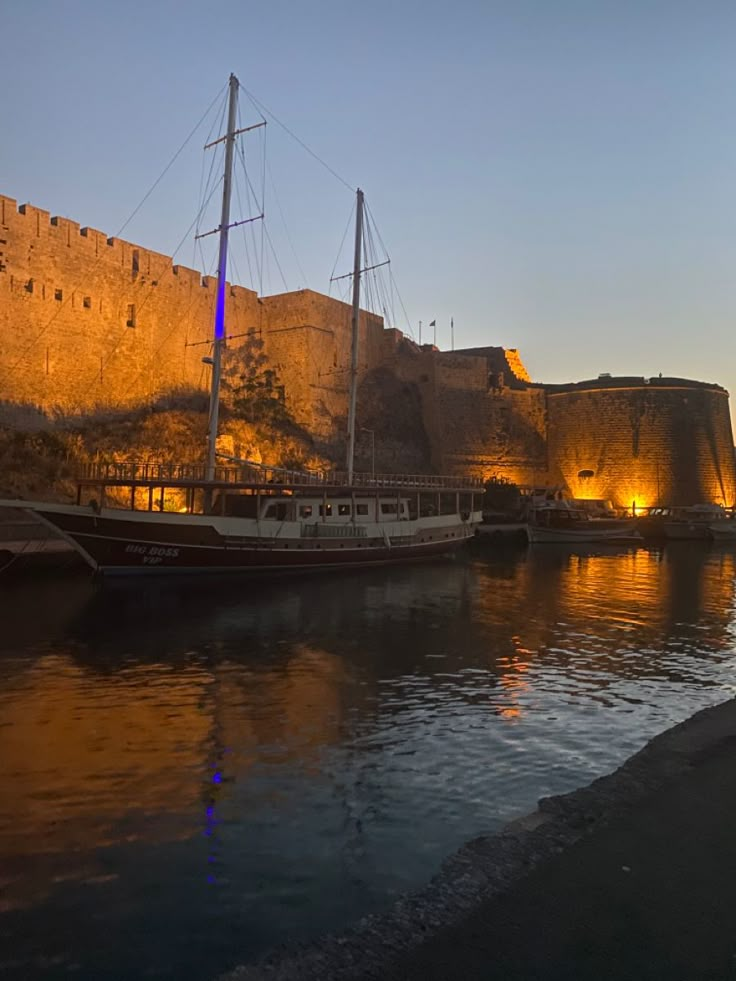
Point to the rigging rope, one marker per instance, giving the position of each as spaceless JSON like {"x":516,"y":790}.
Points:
{"x":104,"y":364}
{"x":276,"y":260}
{"x":262,"y":108}
{"x":166,"y":168}
{"x":342,"y":243}
{"x":72,"y":293}
{"x":286,"y":229}
{"x":394,"y":285}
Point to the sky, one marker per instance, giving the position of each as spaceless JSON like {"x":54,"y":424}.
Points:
{"x":558,"y":176}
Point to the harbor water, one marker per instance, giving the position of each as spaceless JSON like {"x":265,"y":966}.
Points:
{"x":194,"y":772}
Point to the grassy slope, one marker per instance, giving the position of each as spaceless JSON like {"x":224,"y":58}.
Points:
{"x":41,"y":463}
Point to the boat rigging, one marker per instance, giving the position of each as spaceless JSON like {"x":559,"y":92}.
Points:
{"x":254,"y":518}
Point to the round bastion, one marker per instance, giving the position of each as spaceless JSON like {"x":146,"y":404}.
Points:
{"x":642,"y":441}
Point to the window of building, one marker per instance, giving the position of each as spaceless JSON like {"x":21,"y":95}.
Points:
{"x":343,"y":509}
{"x":87,"y":302}
{"x":136,"y":262}
{"x":325,"y":510}
{"x":361,"y":509}
{"x":305,"y":510}
{"x":130,"y":322}
{"x":58,"y":295}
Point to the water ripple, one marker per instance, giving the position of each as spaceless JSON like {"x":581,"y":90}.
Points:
{"x":217,"y":769}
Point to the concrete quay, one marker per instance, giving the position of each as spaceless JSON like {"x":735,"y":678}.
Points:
{"x":628,"y":879}
{"x":28,"y":546}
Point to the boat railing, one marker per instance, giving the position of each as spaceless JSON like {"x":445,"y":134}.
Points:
{"x":131,"y":472}
{"x":318,"y":530}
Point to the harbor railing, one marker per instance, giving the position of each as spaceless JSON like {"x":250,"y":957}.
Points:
{"x":176,"y":474}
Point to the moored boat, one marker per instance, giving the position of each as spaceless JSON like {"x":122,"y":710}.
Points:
{"x":558,"y":522}
{"x":245,"y":522}
{"x":697,"y":522}
{"x":132,"y":517}
{"x":693,"y":523}
{"x":723,"y":530}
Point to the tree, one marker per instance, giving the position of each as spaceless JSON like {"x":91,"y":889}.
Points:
{"x":250,"y":388}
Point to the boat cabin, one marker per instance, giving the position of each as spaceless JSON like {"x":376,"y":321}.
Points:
{"x":313,"y":510}
{"x":558,"y":517}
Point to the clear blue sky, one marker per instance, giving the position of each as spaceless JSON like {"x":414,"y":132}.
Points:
{"x":558,"y":175}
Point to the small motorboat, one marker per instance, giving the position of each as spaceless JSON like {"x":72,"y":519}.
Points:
{"x":558,"y":522}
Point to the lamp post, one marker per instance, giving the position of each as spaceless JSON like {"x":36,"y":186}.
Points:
{"x":372,"y":435}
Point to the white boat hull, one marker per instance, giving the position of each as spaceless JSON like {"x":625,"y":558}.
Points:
{"x":539,"y":535}
{"x":117,"y":542}
{"x":723,"y":531}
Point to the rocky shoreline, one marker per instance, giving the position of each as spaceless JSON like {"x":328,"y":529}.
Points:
{"x":486,"y":868}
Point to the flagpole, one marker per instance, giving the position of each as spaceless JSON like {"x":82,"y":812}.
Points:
{"x":452,"y":333}
{"x":420,"y":333}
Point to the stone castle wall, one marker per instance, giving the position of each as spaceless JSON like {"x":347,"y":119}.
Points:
{"x":88,"y":321}
{"x":653,"y":441}
{"x":489,"y":422}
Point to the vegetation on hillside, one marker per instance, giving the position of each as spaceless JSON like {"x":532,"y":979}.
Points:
{"x":41,"y":458}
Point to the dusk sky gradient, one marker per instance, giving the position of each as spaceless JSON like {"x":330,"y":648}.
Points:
{"x":558,"y":176}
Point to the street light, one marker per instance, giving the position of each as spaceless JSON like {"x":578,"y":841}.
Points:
{"x":372,"y":435}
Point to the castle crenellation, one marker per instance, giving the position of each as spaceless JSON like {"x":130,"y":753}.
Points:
{"x":88,"y":320}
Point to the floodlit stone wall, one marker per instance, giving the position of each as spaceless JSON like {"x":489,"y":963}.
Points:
{"x":488,"y":420}
{"x":653,"y":441}
{"x":88,"y":321}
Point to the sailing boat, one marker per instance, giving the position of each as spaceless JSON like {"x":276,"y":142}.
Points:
{"x":245,"y":517}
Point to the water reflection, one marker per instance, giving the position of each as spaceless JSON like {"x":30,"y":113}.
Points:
{"x":232,"y":763}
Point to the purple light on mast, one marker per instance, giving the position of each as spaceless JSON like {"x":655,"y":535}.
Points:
{"x":220,"y":306}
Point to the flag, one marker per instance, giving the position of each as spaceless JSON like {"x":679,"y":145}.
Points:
{"x":433,"y":323}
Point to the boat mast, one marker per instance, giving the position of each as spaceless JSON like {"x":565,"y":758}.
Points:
{"x":219,"y":338}
{"x":354,"y":343}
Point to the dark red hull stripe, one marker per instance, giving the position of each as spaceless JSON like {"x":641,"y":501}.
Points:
{"x":153,"y":548}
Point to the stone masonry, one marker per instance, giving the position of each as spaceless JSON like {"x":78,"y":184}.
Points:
{"x":90,"y":322}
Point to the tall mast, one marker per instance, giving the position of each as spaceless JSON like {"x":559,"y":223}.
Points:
{"x":219,"y":338}
{"x":354,"y":344}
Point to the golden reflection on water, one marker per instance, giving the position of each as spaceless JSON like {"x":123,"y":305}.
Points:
{"x":513,"y":684}
{"x":608,"y":610}
{"x":67,"y":728}
{"x":138,"y":741}
{"x":294,"y":710}
{"x":99,"y":753}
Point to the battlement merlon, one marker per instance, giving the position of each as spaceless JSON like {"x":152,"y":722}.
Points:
{"x":242,"y":293}
{"x":65,"y":228}
{"x":191,"y":276}
{"x":37,"y":217}
{"x":8,"y":207}
{"x":37,"y":222}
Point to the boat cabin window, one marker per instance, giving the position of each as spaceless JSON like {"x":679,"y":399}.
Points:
{"x":305,"y":510}
{"x":276,"y":510}
{"x":325,"y":510}
{"x":388,"y":508}
{"x":237,"y":505}
{"x":361,"y":509}
{"x":343,"y":509}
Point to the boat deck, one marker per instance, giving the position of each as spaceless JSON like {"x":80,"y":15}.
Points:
{"x":270,"y":479}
